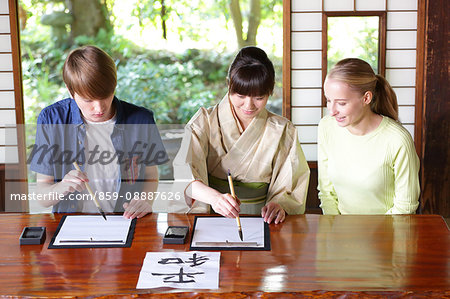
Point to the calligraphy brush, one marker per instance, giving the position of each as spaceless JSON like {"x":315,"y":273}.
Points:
{"x":75,"y":164}
{"x":238,"y":220}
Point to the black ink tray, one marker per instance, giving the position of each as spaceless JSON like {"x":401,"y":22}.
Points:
{"x":32,"y":235}
{"x":176,"y":235}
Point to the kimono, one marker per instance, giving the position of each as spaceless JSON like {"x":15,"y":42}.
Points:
{"x":265,"y":160}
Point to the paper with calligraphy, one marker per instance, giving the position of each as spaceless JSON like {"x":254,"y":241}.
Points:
{"x":183,"y":270}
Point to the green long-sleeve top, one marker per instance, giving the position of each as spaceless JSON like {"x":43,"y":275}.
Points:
{"x":376,"y":173}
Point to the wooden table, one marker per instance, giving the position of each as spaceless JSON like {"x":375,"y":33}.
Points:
{"x":374,"y":256}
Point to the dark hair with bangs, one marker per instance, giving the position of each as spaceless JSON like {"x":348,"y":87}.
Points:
{"x":251,"y":73}
{"x":90,"y":72}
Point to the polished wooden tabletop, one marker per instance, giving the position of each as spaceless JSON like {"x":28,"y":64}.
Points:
{"x":311,"y":254}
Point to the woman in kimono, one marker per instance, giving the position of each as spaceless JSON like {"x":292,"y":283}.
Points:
{"x":367,"y":162}
{"x":238,"y":135}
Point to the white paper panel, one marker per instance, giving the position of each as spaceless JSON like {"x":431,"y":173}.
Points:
{"x":306,"y":60}
{"x":406,"y":114}
{"x":325,"y":111}
{"x":410,"y":129}
{"x":401,"y":58}
{"x":6,"y":62}
{"x":401,"y":39}
{"x":306,"y":97}
{"x":306,"y":116}
{"x":306,"y":21}
{"x":370,"y":4}
{"x":306,"y":5}
{"x":338,"y":5}
{"x":401,"y":77}
{"x":310,"y":151}
{"x":2,"y":136}
{"x":8,"y":136}
{"x":9,"y":155}
{"x":307,"y":134}
{"x":402,"y":4}
{"x":5,"y":43}
{"x":306,"y":41}
{"x":4,"y":7}
{"x":7,"y":117}
{"x":406,"y":96}
{"x":401,"y":20}
{"x":4,"y":24}
{"x":2,"y":155}
{"x":307,"y":78}
{"x":7,"y":99}
{"x":6,"y":81}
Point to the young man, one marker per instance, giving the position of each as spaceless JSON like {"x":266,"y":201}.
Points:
{"x":116,"y":144}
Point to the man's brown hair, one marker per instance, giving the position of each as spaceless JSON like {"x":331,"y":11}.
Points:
{"x":90,"y":72}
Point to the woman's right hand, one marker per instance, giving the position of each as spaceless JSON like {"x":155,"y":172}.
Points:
{"x":226,"y":205}
{"x":73,"y":181}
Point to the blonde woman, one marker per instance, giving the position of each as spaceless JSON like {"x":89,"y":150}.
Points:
{"x":366,"y":159}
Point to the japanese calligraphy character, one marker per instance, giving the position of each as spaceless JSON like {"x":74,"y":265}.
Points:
{"x":166,"y":261}
{"x":196,"y":261}
{"x":180,"y":275}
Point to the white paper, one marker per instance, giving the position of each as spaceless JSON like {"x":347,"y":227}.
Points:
{"x":220,"y":229}
{"x":182,"y":270}
{"x":93,"y":230}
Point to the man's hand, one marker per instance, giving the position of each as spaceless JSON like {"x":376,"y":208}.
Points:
{"x":136,"y":208}
{"x":73,"y":181}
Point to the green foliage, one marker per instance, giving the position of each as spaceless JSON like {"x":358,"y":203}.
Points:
{"x":117,"y":46}
{"x":368,"y":41}
{"x":187,"y":19}
{"x":273,"y":9}
{"x":176,"y":14}
{"x":359,"y":32}
{"x":174,"y":86}
{"x":41,"y":70}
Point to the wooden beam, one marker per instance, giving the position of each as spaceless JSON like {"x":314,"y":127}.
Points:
{"x":287,"y":59}
{"x":435,"y":198}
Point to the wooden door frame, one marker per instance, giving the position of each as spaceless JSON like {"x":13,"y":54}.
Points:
{"x":14,"y":176}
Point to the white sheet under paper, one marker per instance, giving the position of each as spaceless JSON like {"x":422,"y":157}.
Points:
{"x":87,"y":229}
{"x":219,"y":229}
{"x":182,"y":270}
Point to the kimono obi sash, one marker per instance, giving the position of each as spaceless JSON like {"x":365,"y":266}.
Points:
{"x":252,"y":195}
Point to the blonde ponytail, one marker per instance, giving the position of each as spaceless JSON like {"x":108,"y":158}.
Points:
{"x":384,"y":101}
{"x":360,"y":76}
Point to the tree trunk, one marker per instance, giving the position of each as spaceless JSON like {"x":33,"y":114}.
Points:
{"x":163,"y":19}
{"x":89,"y":16}
{"x":253,"y":22}
{"x":235,"y":11}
